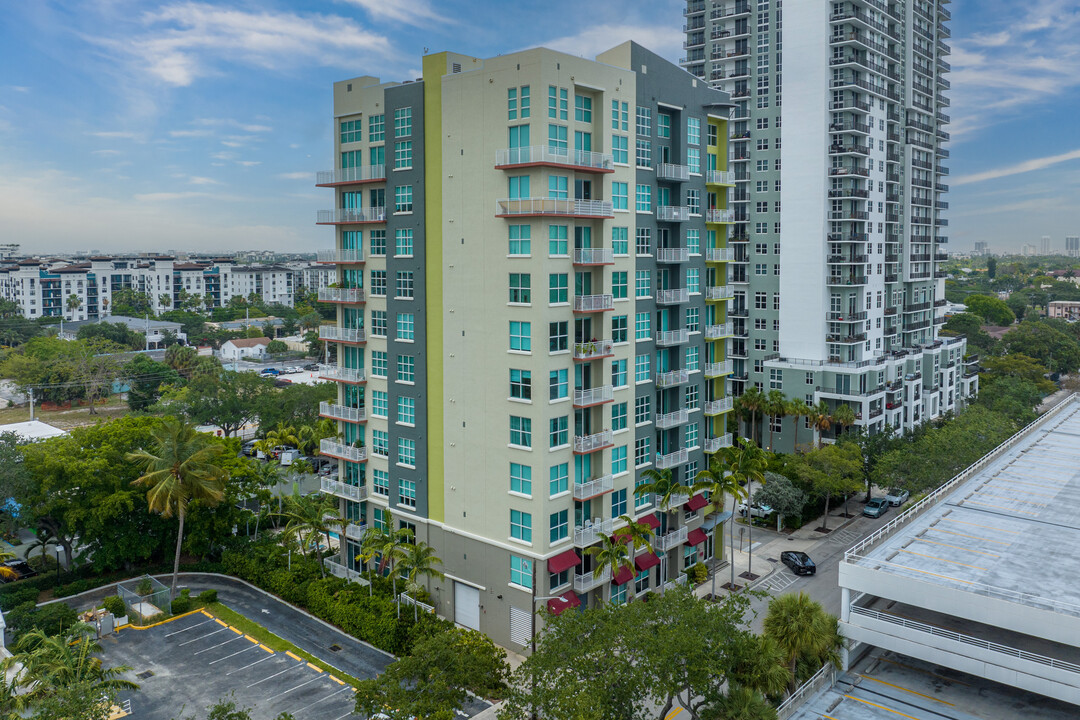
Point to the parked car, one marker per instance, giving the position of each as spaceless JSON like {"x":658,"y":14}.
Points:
{"x":311,"y":367}
{"x":270,"y":371}
{"x":799,"y":562}
{"x":756,"y":510}
{"x":292,"y":370}
{"x":876,"y":507}
{"x":897,"y":496}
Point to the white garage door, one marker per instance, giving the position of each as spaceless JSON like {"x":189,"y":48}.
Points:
{"x":466,"y":606}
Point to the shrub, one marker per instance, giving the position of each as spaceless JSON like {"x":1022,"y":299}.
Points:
{"x":115,"y":605}
{"x":145,"y":587}
{"x":181,"y":605}
{"x":207,"y":596}
{"x":698,"y":573}
{"x":51,"y":619}
{"x":73,"y":588}
{"x":17,"y":594}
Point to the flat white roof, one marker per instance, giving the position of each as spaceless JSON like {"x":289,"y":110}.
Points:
{"x":33,"y":430}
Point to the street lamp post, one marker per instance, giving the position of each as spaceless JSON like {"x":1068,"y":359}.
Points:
{"x":57,"y":549}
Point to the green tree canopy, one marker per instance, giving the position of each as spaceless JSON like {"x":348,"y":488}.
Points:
{"x":969,"y":325}
{"x":145,"y":378}
{"x":228,"y":400}
{"x":276,"y":347}
{"x":992,"y":309}
{"x":1053,"y":348}
{"x":117,"y":333}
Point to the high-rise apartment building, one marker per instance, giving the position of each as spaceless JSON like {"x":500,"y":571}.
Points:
{"x":1072,"y":245}
{"x":532,"y":295}
{"x":1044,"y":245}
{"x":981,"y":248}
{"x":838,"y":202}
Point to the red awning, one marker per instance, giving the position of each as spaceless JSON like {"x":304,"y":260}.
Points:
{"x":696,"y":537}
{"x":556,"y":606}
{"x":622,"y":577}
{"x":651,"y":520}
{"x":697,"y":502}
{"x":563,"y":561}
{"x":646,"y":561}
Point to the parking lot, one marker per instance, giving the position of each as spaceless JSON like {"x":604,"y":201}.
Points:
{"x":187,"y":665}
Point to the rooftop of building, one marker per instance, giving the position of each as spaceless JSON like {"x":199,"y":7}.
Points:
{"x":32,"y":430}
{"x":133,"y":323}
{"x":249,"y":342}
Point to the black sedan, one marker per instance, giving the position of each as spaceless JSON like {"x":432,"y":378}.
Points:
{"x":799,"y":562}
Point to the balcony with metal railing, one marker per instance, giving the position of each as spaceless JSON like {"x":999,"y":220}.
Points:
{"x":672,"y":297}
{"x":553,"y":207}
{"x":673,"y":459}
{"x":593,"y":303}
{"x":673,"y":539}
{"x":584,"y":444}
{"x":719,"y":292}
{"x":342,"y":374}
{"x":351,"y":216}
{"x":589,"y":533}
{"x":715,"y":444}
{"x":340,"y":489}
{"x":719,"y":177}
{"x":716,"y":332}
{"x":345,"y":296}
{"x":334,"y":333}
{"x":341,"y":412}
{"x":719,"y":216}
{"x":342,"y":451}
{"x":718,"y":369}
{"x":593,"y":350}
{"x":665,"y":421}
{"x":668,"y":338}
{"x":719,"y":254}
{"x":587,"y":581}
{"x":670,"y":171}
{"x":717,"y":407}
{"x":338,"y":570}
{"x":593,"y":488}
{"x":672,"y":378}
{"x":672,"y":213}
{"x":351,"y":176}
{"x":588,"y":397}
{"x":672,"y":255}
{"x":544,"y":155}
{"x":593,"y":256}
{"x":345,"y":257}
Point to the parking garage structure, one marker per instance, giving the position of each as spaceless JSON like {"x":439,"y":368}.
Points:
{"x":981,"y":575}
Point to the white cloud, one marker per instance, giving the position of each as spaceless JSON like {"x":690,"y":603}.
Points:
{"x":663,"y":39}
{"x":190,"y":133}
{"x":19,"y":88}
{"x":168,"y":196}
{"x":199,"y":180}
{"x":114,"y":134}
{"x":1017,"y":169}
{"x":302,"y":175}
{"x":249,"y":163}
{"x":246,"y":127}
{"x":410,"y":12}
{"x":183,"y":41}
{"x":106,"y":153}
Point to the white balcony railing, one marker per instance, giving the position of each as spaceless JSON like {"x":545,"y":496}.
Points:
{"x":598,"y":486}
{"x":355,"y":532}
{"x":719,"y":254}
{"x":719,"y":292}
{"x":679,"y":457}
{"x":591,"y":443}
{"x":672,"y":213}
{"x":715,"y":407}
{"x":714,"y":444}
{"x":672,"y":584}
{"x":672,"y":539}
{"x":341,"y":295}
{"x":719,"y":216}
{"x":672,"y":419}
{"x":343,"y":490}
{"x":714,"y":370}
{"x":553,"y":206}
{"x":672,"y":255}
{"x":715,"y":332}
{"x":593,"y":349}
{"x":593,"y":395}
{"x":340,"y":256}
{"x":342,"y":374}
{"x":667,"y":338}
{"x":720,"y":177}
{"x":340,"y":412}
{"x":593,"y":256}
{"x":553,"y":156}
{"x":672,"y":378}
{"x":672,"y":297}
{"x":340,"y":334}
{"x":593,"y":303}
{"x":338,"y":570}
{"x":342,"y":451}
{"x":351,"y":215}
{"x":367,"y":173}
{"x":587,"y":581}
{"x":669,"y":171}
{"x":587,"y":534}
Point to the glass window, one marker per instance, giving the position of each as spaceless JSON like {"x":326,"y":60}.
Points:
{"x":520,"y":288}
{"x":663,"y":125}
{"x":644,"y":121}
{"x":557,"y":336}
{"x":618,"y":460}
{"x":643,"y":154}
{"x":520,"y":336}
{"x":557,"y":240}
{"x":380,"y":480}
{"x":406,"y":368}
{"x":559,"y":432}
{"x":520,"y":431}
{"x":620,"y":149}
{"x":521,"y":525}
{"x":642,"y":283}
{"x":403,"y":198}
{"x":619,"y":195}
{"x":693,"y":280}
{"x":520,"y":240}
{"x":378,"y":323}
{"x":643,"y":241}
{"x":378,"y":242}
{"x":520,"y":479}
{"x":619,"y":416}
{"x":407,"y":493}
{"x":558,"y":384}
{"x":620,"y":115}
{"x":406,"y":410}
{"x":618,"y":500}
{"x":642,"y":368}
{"x":618,"y":373}
{"x":558,"y":288}
{"x":583,"y":108}
{"x":378,"y":283}
{"x":405,"y":284}
{"x":619,"y":285}
{"x":403,"y":155}
{"x":379,"y":404}
{"x":560,"y":526}
{"x":406,"y":451}
{"x":642,"y":326}
{"x":521,"y":384}
{"x":350,"y":131}
{"x":521,"y":572}
{"x":620,"y":241}
{"x":559,"y":479}
{"x":518,"y":187}
{"x":403,"y":122}
{"x":693,"y":242}
{"x":376,"y":128}
{"x":643,"y":199}
{"x":619,"y":325}
{"x":380,"y":443}
{"x":406,"y":323}
{"x":693,"y":131}
{"x":557,"y":187}
{"x":511,"y":103}
{"x":642,"y":409}
{"x":526,"y":102}
{"x":403,"y":240}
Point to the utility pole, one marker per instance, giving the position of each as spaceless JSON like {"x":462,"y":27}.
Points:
{"x":31,"y":403}
{"x":146,"y":336}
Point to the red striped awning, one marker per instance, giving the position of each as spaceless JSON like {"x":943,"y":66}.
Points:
{"x":646,"y":561}
{"x":622,"y":577}
{"x":696,"y":537}
{"x":563,"y":561}
{"x":556,"y":605}
{"x":696,"y":503}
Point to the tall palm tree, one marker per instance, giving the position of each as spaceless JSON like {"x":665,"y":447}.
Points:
{"x":612,"y":554}
{"x":637,"y":534}
{"x":391,"y":547}
{"x":801,"y":628}
{"x":844,"y":416}
{"x":307,"y":519}
{"x":739,"y":703}
{"x":182,"y":468}
{"x":752,"y":402}
{"x":821,"y":419}
{"x":663,"y":485}
{"x":280,"y":434}
{"x":747,"y":464}
{"x":74,"y":302}
{"x":776,"y":406}
{"x":420,"y":561}
{"x":718,"y":481}
{"x":797,"y":410}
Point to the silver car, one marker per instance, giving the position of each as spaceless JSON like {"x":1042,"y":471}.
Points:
{"x":897,"y":496}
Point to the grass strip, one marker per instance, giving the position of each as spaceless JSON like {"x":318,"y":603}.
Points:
{"x":271,"y":640}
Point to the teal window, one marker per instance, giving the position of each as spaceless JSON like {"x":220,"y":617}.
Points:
{"x":406,"y":451}
{"x":618,"y":498}
{"x":521,"y":384}
{"x":558,"y":384}
{"x":558,"y":288}
{"x":403,"y":155}
{"x":378,"y":323}
{"x":378,"y":283}
{"x":620,"y":241}
{"x":403,"y":122}
{"x":406,"y":326}
{"x":619,"y":285}
{"x":710,"y":133}
{"x":618,"y":373}
{"x":376,"y":128}
{"x":519,"y":138}
{"x":403,"y":240}
{"x":692,"y":435}
{"x":557,"y":138}
{"x":406,"y":368}
{"x":350,"y":131}
{"x":558,"y":479}
{"x":557,"y":240}
{"x":693,"y":319}
{"x":377,"y":514}
{"x":352,"y":240}
{"x":520,"y":240}
{"x":618,"y":417}
{"x":512,"y":103}
{"x":380,"y":443}
{"x":618,"y":328}
{"x":407,"y":493}
{"x":693,"y":241}
{"x":620,"y":149}
{"x":558,"y":103}
{"x":379,"y":364}
{"x":642,"y":455}
{"x":693,"y":280}
{"x":559,"y":523}
{"x":559,"y":432}
{"x":519,"y":187}
{"x":644,"y":122}
{"x":642,"y":283}
{"x":643,"y":241}
{"x":521,"y":572}
{"x":620,"y":195}
{"x":520,"y":479}
{"x":642,"y":368}
{"x":380,"y":481}
{"x":351,"y":159}
{"x":620,"y":115}
{"x":558,"y":187}
{"x":520,"y":336}
{"x":618,"y":460}
{"x":403,"y":198}
{"x":618,"y":594}
{"x":583,"y":108}
{"x":520,"y":288}
{"x":693,"y":159}
{"x":663,"y":125}
{"x":377,"y":155}
{"x":521,"y":525}
{"x":643,"y":199}
{"x":644,"y":153}
{"x":693,"y":131}
{"x":379,"y":403}
{"x":692,"y":359}
{"x":406,"y":410}
{"x":378,"y":242}
{"x":525,"y":102}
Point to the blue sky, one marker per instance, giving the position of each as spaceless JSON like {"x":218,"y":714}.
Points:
{"x":131,"y":125}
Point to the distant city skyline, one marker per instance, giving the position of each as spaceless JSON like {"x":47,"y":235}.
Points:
{"x":139,"y":125}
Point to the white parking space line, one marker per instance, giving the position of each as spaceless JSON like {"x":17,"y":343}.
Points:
{"x":215,"y":647}
{"x":268,"y":657}
{"x":188,"y":642}
{"x":250,"y":647}
{"x":344,"y":716}
{"x":295,"y":687}
{"x":297,"y":665}
{"x":189,"y":628}
{"x":335,"y":693}
{"x":780,"y":581}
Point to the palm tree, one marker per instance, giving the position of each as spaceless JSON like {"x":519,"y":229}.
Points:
{"x":307,"y":518}
{"x":739,"y":703}
{"x":74,"y":302}
{"x":747,"y":464}
{"x":797,"y":409}
{"x":637,"y":534}
{"x":775,"y":406}
{"x":611,"y":554}
{"x":821,"y":418}
{"x":801,"y":629}
{"x":420,"y":561}
{"x":43,"y":539}
{"x":752,"y":402}
{"x":181,"y":469}
{"x":165,"y":300}
{"x":718,"y":481}
{"x":663,"y":485}
{"x":280,"y":434}
{"x":391,"y":547}
{"x":844,"y":416}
